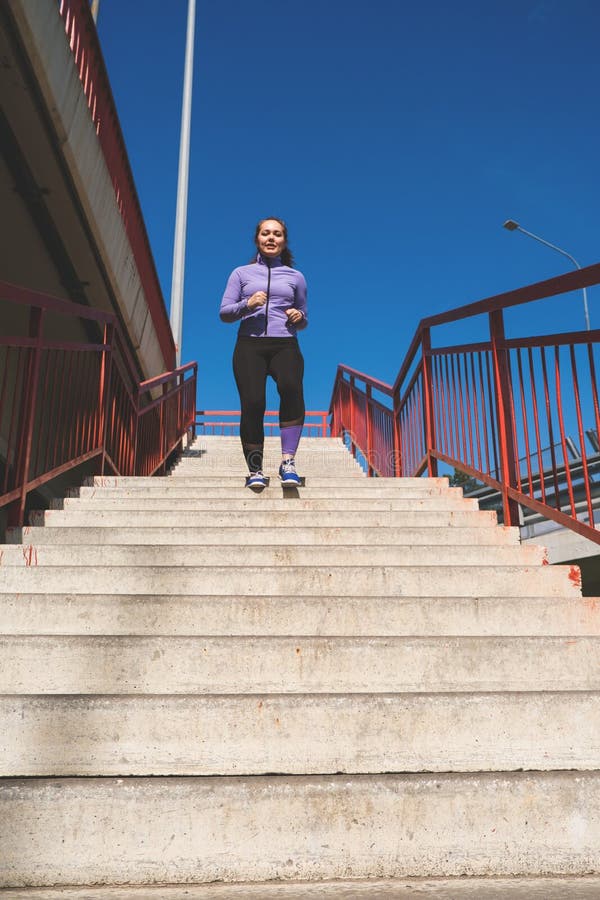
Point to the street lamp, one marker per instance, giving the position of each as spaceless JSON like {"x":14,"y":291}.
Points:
{"x":511,"y":225}
{"x":176,"y":312}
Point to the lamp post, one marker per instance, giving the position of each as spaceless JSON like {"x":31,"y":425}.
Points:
{"x":511,"y":225}
{"x":176,"y":314}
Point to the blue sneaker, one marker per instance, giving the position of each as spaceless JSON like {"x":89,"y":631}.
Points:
{"x":288,"y":475}
{"x":256,"y":480}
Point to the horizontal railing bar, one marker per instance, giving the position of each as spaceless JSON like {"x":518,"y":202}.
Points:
{"x":549,"y":512}
{"x":552,"y":340}
{"x":27,"y":297}
{"x":237,"y":412}
{"x":418,"y":371}
{"x":166,"y":376}
{"x":10,"y":496}
{"x":159,"y":401}
{"x":468,"y":470}
{"x":421,"y":466}
{"x":34,"y":483}
{"x":381,"y":386}
{"x":372,"y":401}
{"x":111,"y":462}
{"x":480,"y":347}
{"x":377,"y":404}
{"x":560,"y":284}
{"x":43,"y":344}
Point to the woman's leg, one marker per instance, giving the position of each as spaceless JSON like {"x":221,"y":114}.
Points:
{"x":287,"y":369}
{"x":250,"y":371}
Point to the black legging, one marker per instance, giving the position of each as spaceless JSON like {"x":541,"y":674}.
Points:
{"x":254,"y":358}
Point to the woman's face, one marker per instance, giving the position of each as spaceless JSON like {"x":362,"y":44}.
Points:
{"x":270,"y":240}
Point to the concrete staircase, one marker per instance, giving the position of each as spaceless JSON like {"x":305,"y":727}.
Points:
{"x":361,"y":679}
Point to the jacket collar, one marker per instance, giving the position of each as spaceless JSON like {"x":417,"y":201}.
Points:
{"x":270,"y":261}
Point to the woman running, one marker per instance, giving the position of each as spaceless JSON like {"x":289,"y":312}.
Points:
{"x":268,"y":299}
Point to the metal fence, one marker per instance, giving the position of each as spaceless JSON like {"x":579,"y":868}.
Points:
{"x":69,"y":393}
{"x":512,"y":413}
{"x":227,"y":422}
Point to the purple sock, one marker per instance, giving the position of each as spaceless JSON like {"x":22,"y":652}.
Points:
{"x":290,"y":438}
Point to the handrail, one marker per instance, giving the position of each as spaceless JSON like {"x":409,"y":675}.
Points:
{"x":76,"y":399}
{"x":89,"y":61}
{"x":504,"y":411}
{"x":231,"y":426}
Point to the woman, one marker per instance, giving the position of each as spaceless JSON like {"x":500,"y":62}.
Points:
{"x":268,"y":299}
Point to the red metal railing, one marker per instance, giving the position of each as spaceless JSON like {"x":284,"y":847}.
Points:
{"x":69,"y":394}
{"x":211,"y":421}
{"x":512,"y":413}
{"x":83,"y":40}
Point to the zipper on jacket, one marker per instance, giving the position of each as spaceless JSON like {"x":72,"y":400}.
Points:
{"x":267,"y":303}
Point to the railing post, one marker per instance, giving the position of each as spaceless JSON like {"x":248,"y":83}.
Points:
{"x":104,"y":390}
{"x":164,"y":424}
{"x":352,"y":383}
{"x":324,"y":425}
{"x":335,"y":405}
{"x":193,"y":402}
{"x":136,"y":432}
{"x":506,"y":435}
{"x":16,"y":510}
{"x":428,"y":413}
{"x":397,"y":434}
{"x":369,"y":393}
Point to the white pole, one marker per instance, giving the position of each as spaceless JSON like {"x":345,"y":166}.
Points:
{"x":95,"y":9}
{"x":182,"y":188}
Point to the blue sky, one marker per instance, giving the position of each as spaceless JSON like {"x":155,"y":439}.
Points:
{"x":393,"y":137}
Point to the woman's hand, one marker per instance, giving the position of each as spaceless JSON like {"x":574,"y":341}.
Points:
{"x":294,"y":316}
{"x":259,"y":298}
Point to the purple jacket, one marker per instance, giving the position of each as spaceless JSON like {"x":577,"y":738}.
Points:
{"x":285,"y":287}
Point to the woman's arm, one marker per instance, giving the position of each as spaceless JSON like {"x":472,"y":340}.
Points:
{"x":233,"y":306}
{"x":299,"y":304}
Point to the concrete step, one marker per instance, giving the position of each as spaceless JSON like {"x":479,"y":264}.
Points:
{"x":256,"y":515}
{"x":217,"y":490}
{"x":582,"y":887}
{"x":311,"y":580}
{"x":331,"y":616}
{"x":366,"y":536}
{"x":328,"y":470}
{"x":209,"y":479}
{"x":295,"y":665}
{"x":232,"y":453}
{"x":277,"y":555}
{"x":297,"y":734}
{"x":220,"y":440}
{"x":353,"y":477}
{"x":107,"y":831}
{"x":272,"y":501}
{"x":320,"y":475}
{"x":272,"y":444}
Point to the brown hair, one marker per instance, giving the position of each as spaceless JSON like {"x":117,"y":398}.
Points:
{"x":287,"y":257}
